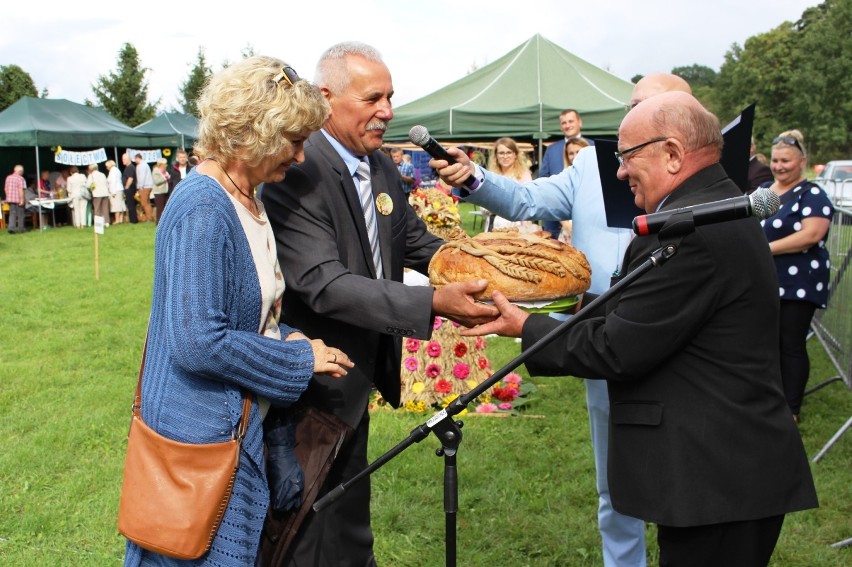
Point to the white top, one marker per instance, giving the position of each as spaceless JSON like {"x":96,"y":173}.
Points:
{"x":114,"y":181}
{"x":262,"y":244}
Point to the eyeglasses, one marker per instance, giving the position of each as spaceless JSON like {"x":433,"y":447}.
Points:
{"x":504,"y":154}
{"x":287,"y":73}
{"x":622,"y":155}
{"x":789,"y":140}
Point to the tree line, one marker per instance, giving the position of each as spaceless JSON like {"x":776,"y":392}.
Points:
{"x":799,"y":74}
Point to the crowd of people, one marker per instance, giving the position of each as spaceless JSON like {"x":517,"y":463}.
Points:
{"x":279,"y":262}
{"x":91,"y":192}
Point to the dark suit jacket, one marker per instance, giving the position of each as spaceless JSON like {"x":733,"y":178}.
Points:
{"x":758,"y":174}
{"x":331,"y":292}
{"x":699,"y":429}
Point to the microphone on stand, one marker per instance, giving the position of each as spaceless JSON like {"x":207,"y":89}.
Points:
{"x":763,"y":203}
{"x":419,"y":136}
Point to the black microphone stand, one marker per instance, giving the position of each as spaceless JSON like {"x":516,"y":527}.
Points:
{"x":449,"y":432}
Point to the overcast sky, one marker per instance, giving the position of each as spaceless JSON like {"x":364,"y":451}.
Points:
{"x":427,"y":45}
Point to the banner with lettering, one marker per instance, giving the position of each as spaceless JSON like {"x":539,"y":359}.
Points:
{"x":80,"y":158}
{"x":149,"y":156}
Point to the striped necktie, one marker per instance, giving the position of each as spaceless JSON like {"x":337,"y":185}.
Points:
{"x":365,"y":194}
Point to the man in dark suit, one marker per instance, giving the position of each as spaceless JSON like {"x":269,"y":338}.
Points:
{"x":701,"y":442}
{"x":553,"y":161}
{"x":344,"y":285}
{"x":758,"y":173}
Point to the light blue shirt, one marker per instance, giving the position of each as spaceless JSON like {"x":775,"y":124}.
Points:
{"x":573,"y":194}
{"x":350,"y":159}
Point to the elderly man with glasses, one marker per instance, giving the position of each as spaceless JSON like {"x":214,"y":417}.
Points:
{"x":702,"y":443}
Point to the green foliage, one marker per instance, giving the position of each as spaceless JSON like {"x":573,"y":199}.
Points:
{"x":799,"y":75}
{"x":191,"y":89}
{"x":14,"y":84}
{"x":124,"y":93}
{"x":70,"y":353}
{"x":696,"y":75}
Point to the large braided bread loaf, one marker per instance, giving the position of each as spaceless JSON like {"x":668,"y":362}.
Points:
{"x":524,"y":267}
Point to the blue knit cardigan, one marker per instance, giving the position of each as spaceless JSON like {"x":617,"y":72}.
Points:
{"x":204,"y":346}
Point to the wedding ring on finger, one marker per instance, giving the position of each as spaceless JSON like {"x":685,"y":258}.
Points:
{"x":334,"y":360}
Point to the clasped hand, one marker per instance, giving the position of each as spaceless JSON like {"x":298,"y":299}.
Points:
{"x":327,"y":359}
{"x":456,"y":302}
{"x":510,"y":323}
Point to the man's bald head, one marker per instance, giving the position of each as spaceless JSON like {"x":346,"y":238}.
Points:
{"x":678,"y":114}
{"x":664,"y":141}
{"x":655,"y":84}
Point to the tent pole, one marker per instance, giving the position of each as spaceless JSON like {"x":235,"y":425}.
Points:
{"x":540,"y":152}
{"x":38,"y":191}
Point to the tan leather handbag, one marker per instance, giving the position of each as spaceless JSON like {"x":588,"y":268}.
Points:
{"x":174,"y":495}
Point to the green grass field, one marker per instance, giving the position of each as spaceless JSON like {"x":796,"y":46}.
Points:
{"x":69,"y":353}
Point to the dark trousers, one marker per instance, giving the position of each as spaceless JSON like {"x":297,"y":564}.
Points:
{"x":340,"y":534}
{"x":553,"y":227}
{"x":795,"y":365}
{"x":160,"y":204}
{"x":17,"y":218}
{"x":732,"y":544}
{"x":130,"y":201}
{"x":100,"y":208}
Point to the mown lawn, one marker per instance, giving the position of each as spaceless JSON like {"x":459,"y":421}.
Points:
{"x":69,"y":353}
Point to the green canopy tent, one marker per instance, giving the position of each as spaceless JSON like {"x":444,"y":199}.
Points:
{"x":185,"y":126}
{"x":58,"y":122}
{"x":520,"y":95}
{"x":41,"y":123}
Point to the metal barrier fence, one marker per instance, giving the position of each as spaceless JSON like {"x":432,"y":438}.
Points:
{"x":833,"y":326}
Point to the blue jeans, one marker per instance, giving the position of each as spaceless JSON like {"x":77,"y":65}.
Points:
{"x":623,"y":537}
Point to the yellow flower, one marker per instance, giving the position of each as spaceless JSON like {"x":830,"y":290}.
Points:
{"x":449,"y":399}
{"x":472,"y":384}
{"x":417,"y":387}
{"x":167,"y":152}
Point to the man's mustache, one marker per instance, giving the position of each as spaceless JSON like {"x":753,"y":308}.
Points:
{"x":377,"y":124}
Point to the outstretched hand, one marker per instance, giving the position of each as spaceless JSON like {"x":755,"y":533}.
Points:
{"x":456,"y":302}
{"x":453,"y":174}
{"x":509,"y":324}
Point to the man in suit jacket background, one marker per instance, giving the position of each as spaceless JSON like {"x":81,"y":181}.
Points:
{"x":337,"y":292}
{"x":701,"y":442}
{"x":758,"y":173}
{"x":553,"y":161}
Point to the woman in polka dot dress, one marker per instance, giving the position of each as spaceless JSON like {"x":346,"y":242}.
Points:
{"x":797,"y":235}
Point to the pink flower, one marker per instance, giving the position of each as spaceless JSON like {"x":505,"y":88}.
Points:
{"x":411,"y":364}
{"x":437,"y":324}
{"x":461,"y":370}
{"x":443,"y":386}
{"x":433,"y":370}
{"x":461,"y":349}
{"x":456,"y":325}
{"x":505,"y":406}
{"x":481,"y":343}
{"x":411,"y":345}
{"x":513,"y":378}
{"x":486,"y":408}
{"x":433,"y":349}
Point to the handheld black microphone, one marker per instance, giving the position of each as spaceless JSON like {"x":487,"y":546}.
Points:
{"x":762,"y":204}
{"x":419,"y":135}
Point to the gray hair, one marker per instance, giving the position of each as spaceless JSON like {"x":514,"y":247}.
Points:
{"x":332,"y":72}
{"x":693,"y":124}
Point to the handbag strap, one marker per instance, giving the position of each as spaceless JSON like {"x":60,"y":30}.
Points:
{"x":137,"y":399}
